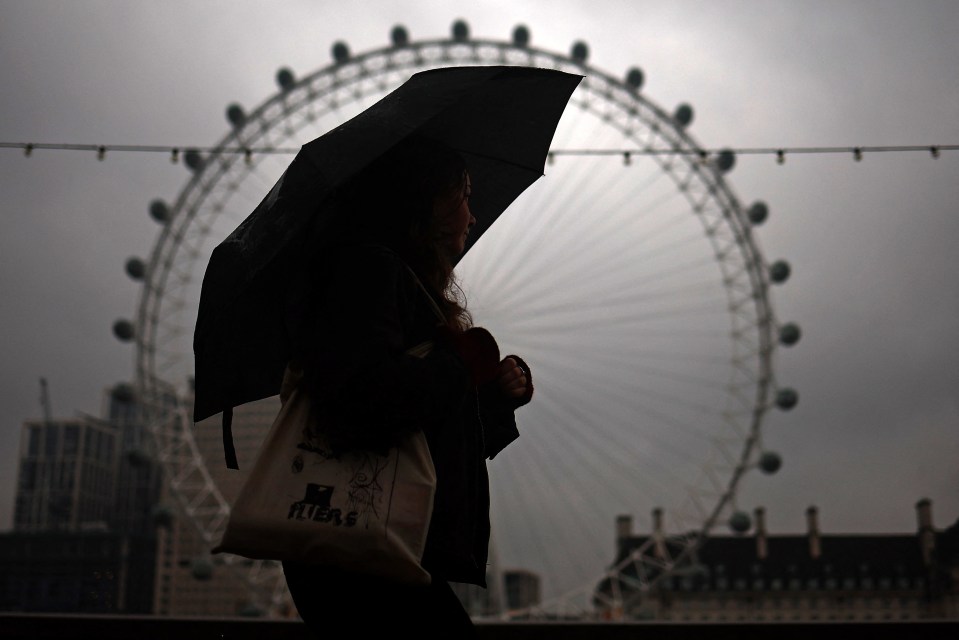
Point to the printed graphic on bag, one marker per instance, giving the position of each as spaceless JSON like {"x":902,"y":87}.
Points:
{"x":362,"y":501}
{"x":316,"y":506}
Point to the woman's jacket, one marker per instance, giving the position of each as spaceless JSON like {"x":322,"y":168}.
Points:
{"x":366,"y":311}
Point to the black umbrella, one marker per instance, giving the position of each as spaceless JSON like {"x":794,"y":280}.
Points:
{"x":501,"y":119}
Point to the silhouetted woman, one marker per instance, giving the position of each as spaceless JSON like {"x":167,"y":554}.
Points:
{"x":406,"y":218}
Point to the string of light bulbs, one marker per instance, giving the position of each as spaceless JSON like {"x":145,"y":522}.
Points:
{"x":780,"y":153}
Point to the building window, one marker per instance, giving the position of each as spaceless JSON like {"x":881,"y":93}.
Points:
{"x":33,"y":444}
{"x":71,"y":439}
{"x":28,"y":471}
{"x":51,"y":441}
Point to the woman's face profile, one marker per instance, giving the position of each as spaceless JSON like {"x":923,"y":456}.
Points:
{"x":455,"y":217}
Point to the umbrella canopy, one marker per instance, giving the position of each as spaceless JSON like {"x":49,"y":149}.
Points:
{"x":501,"y":119}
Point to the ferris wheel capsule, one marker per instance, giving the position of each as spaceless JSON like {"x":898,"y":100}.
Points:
{"x":201,"y":568}
{"x":163,"y":516}
{"x":521,"y":36}
{"x":579,"y":52}
{"x":193,"y":160}
{"x":235,"y":115}
{"x":757,"y":213}
{"x":285,"y":79}
{"x":789,"y":334}
{"x":135,"y":268}
{"x":634,"y":78}
{"x":123,"y":330}
{"x":460,"y":31}
{"x":399,"y":36}
{"x":159,"y":211}
{"x":779,"y":271}
{"x":740,"y":522}
{"x":786,"y":398}
{"x":770,"y":462}
{"x":341,"y":52}
{"x":683,"y":115}
{"x":726,"y":160}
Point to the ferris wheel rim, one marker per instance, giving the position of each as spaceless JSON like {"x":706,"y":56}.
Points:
{"x":150,"y":305}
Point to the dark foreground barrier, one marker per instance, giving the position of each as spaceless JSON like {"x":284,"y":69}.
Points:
{"x":63,"y":627}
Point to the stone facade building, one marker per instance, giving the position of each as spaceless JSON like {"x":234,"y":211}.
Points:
{"x":797,"y":578}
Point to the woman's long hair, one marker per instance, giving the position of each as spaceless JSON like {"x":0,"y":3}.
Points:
{"x":392,"y":202}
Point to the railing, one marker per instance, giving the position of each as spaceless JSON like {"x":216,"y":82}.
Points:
{"x":26,"y":626}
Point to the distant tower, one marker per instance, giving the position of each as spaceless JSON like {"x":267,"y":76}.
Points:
{"x":139,"y":477}
{"x":67,"y":473}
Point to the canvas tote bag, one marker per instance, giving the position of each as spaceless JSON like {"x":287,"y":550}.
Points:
{"x":361,"y":512}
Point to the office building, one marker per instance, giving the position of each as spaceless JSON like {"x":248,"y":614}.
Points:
{"x":83,"y":538}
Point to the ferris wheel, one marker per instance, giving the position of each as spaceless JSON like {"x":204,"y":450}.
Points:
{"x":630,"y":277}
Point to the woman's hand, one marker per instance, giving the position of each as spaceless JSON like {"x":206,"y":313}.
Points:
{"x":511,"y":378}
{"x":478,"y":350}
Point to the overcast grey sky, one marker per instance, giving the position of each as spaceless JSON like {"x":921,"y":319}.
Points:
{"x":872,"y":243}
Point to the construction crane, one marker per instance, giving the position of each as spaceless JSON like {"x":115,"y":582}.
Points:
{"x":45,"y":402}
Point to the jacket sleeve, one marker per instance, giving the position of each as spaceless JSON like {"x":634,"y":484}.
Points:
{"x":498,"y":412}
{"x":367,"y":391}
{"x":499,"y":420}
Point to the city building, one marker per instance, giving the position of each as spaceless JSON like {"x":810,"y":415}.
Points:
{"x":521,"y":589}
{"x":788,"y":578}
{"x":76,"y":572}
{"x":67,"y":475}
{"x":83,"y":538}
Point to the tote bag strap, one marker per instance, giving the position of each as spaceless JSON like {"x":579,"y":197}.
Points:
{"x":435,"y":307}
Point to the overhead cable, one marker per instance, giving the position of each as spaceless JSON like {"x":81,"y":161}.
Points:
{"x":779,"y":153}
